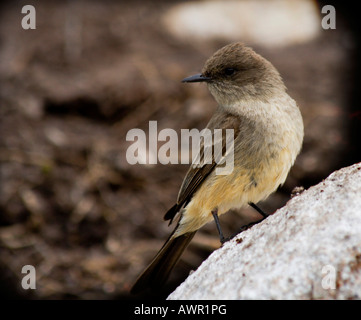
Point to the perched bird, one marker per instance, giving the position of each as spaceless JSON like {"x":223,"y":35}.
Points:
{"x":268,"y":133}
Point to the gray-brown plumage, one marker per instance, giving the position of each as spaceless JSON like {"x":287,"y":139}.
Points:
{"x":268,"y":134}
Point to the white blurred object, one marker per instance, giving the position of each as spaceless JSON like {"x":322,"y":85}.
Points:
{"x":270,"y":23}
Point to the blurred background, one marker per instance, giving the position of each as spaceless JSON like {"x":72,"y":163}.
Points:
{"x":70,"y":90}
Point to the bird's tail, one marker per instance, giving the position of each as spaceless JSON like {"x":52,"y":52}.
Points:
{"x":156,"y":274}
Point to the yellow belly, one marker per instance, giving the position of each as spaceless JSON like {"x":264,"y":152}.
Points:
{"x":235,"y":190}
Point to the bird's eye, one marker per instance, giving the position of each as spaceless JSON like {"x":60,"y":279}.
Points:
{"x":229,"y":71}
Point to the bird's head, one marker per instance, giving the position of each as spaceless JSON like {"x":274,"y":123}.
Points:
{"x":235,"y":72}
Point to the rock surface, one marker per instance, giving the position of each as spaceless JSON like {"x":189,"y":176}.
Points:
{"x":309,"y":249}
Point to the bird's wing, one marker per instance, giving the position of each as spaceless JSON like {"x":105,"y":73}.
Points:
{"x":209,"y":156}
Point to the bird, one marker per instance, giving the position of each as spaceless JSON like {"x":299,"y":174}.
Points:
{"x":267,"y":137}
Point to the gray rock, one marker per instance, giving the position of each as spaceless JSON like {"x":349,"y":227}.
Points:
{"x":309,"y":249}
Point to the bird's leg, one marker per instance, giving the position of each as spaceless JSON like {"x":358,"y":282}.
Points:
{"x":216,"y":220}
{"x":260,"y":211}
{"x":221,"y":236}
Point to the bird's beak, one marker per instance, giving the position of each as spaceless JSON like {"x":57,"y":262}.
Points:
{"x":196,"y":78}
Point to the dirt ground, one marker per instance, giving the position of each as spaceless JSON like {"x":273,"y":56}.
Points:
{"x":70,"y":204}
